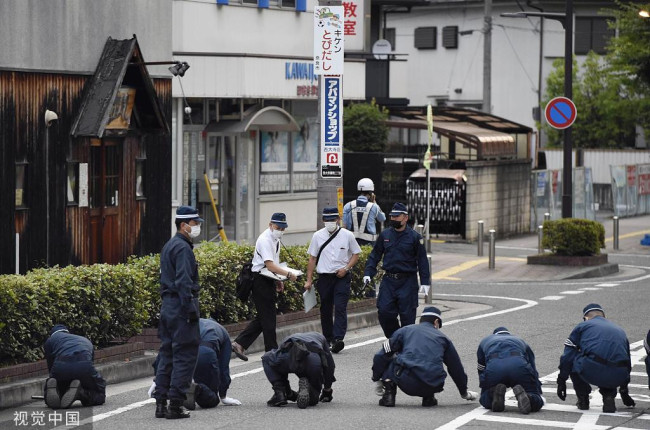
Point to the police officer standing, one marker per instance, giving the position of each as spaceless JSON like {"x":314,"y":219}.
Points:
{"x":646,"y":345}
{"x":597,"y":352}
{"x":404,"y":256}
{"x":267,"y":254}
{"x":360,"y":215}
{"x":72,"y":374}
{"x":179,"y":316}
{"x":308,"y":356}
{"x":506,"y":361}
{"x":412,"y":359}
{"x":333,"y":252}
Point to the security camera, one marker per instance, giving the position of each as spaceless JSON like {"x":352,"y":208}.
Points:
{"x":49,"y":117}
{"x":188,"y":110}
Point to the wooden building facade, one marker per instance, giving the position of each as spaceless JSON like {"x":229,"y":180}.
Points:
{"x":89,"y":181}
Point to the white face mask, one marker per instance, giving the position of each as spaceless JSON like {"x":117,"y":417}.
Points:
{"x":277,"y":234}
{"x":195,"y":231}
{"x":330,"y":226}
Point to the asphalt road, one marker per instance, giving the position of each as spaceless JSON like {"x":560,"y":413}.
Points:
{"x":542,"y":313}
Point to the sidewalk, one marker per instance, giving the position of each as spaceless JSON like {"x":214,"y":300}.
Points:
{"x":450,"y":262}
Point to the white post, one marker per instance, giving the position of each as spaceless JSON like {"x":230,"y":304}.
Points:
{"x":17,"y":254}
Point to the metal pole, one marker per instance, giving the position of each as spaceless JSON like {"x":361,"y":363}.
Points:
{"x":47,"y":196}
{"x":427,"y":224}
{"x":487,"y":57}
{"x":480,"y":238}
{"x":547,"y":216}
{"x":492,"y":255}
{"x":427,"y":297}
{"x":616,"y":233}
{"x":567,"y":180}
{"x":17,"y":253}
{"x":540,"y":238}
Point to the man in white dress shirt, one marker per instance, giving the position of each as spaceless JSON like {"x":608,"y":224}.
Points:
{"x":333,"y":252}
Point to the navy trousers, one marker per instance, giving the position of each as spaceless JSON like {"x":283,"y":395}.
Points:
{"x":334,"y":295}
{"x":178,"y":351}
{"x":207,"y":377}
{"x":384,"y":367}
{"x":92,"y":382}
{"x":263,"y":293}
{"x":510,"y":371}
{"x":397,"y":297}
{"x":278,"y":370}
{"x":582,"y":387}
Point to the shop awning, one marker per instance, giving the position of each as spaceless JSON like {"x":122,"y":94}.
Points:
{"x":270,"y":118}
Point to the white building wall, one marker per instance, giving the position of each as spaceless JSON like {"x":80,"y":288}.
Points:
{"x":599,"y":160}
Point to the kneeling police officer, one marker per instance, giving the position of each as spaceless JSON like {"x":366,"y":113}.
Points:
{"x":308,"y":356}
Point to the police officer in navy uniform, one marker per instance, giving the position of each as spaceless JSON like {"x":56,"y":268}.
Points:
{"x":412,"y":359}
{"x":333,"y":265}
{"x":179,"y":316}
{"x":308,"y":356}
{"x":506,"y":361}
{"x":267,"y":254}
{"x":72,"y":374}
{"x":360,"y":215}
{"x":404,"y":256}
{"x":646,"y":345}
{"x":597,"y":352}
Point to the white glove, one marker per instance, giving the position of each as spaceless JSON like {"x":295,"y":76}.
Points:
{"x":425,"y":289}
{"x":229,"y":401}
{"x":153,"y":387}
{"x":471,"y":395}
{"x":366,"y":280}
{"x":379,"y":388}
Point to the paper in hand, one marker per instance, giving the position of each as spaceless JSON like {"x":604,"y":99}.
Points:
{"x":266,"y":272}
{"x":309,"y":297}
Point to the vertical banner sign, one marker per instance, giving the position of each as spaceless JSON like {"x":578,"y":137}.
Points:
{"x":353,"y":24}
{"x":328,"y":40}
{"x":331,"y":127}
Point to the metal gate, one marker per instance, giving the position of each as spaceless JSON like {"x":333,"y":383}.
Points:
{"x":447,"y":200}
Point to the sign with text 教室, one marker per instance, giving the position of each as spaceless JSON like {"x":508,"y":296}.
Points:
{"x":331,"y":127}
{"x":328,"y":40}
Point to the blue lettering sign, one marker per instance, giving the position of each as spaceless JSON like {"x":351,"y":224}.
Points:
{"x":332,"y":113}
{"x":299,"y":71}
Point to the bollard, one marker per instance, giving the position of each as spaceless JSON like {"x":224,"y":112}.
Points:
{"x":616,"y":233}
{"x":420,"y":229}
{"x":492,"y":255}
{"x":480,"y":238}
{"x":427,"y":297}
{"x":540,"y":237}
{"x":547,"y":216}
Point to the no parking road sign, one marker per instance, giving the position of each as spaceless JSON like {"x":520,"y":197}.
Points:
{"x":560,"y":113}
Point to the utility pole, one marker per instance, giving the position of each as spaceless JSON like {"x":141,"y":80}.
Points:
{"x":567,"y":170}
{"x":487,"y":57}
{"x":329,"y":183}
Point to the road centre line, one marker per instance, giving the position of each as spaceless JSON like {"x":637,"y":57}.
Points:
{"x":527,"y":304}
{"x":451,"y":271}
{"x":571,"y":292}
{"x":552,"y":298}
{"x":625,"y":236}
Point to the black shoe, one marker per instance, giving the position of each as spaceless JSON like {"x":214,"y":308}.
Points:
{"x":291,"y":395}
{"x":52,"y":398}
{"x":161,"y":408}
{"x":609,"y":405}
{"x":583,"y":402}
{"x":388,"y":399}
{"x":176,"y":410}
{"x":337,"y":346}
{"x":190,"y":397}
{"x":303,"y":393}
{"x":71,"y":395}
{"x":429,"y":401}
{"x":523,"y":401}
{"x":279,"y":396}
{"x":239,"y":351}
{"x":499,"y":398}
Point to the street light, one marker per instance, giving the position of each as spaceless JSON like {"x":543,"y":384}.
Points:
{"x":566,"y":19}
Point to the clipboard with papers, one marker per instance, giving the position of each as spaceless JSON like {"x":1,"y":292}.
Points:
{"x":266,"y":272}
{"x":309,"y":298}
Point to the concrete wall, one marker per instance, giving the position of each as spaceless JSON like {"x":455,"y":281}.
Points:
{"x":69,"y":35}
{"x":498,"y":192}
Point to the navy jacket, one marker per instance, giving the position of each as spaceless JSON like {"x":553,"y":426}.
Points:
{"x":403,"y":252}
{"x":423,"y":349}
{"x":179,"y":273}
{"x":590,"y":345}
{"x":64,"y":344}
{"x":504,"y":345}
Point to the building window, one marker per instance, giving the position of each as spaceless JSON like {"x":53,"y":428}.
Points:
{"x":592,"y":34}
{"x":197,"y":115}
{"x":140,"y":178}
{"x":450,"y":37}
{"x":389,"y":34}
{"x":72,"y":187}
{"x":425,"y":37}
{"x":21,"y":185}
{"x":287,"y":3}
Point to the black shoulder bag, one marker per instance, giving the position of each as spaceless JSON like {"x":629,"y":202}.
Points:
{"x":325,"y":244}
{"x":244,"y":281}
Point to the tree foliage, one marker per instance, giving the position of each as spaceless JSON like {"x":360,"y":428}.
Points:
{"x":364,"y":127}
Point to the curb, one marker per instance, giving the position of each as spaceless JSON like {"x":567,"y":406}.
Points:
{"x":595,"y":272}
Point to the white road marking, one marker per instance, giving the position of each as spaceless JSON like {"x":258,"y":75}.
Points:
{"x":534,"y":422}
{"x":552,"y":298}
{"x":571,"y":292}
{"x":607,"y":285}
{"x":590,"y":289}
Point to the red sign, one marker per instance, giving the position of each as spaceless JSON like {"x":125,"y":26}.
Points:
{"x":644,"y":179}
{"x":332,"y":158}
{"x":631,"y":176}
{"x":560,"y":113}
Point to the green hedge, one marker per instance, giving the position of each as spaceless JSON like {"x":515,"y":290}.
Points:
{"x":108,"y":302}
{"x":570,"y":236}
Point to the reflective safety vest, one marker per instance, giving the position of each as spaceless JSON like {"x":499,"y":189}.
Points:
{"x":359,"y":228}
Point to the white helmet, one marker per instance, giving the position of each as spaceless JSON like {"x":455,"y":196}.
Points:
{"x":365,"y":184}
